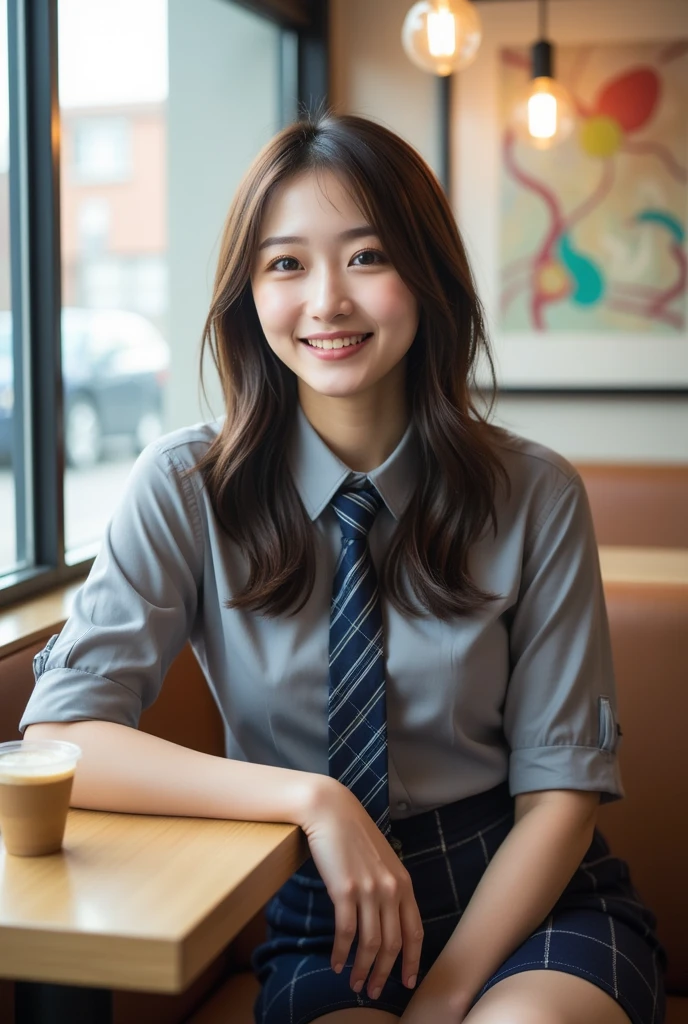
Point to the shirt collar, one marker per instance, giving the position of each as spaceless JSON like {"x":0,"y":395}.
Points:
{"x":319,"y":474}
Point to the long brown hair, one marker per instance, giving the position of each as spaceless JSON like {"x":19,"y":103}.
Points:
{"x":245,"y":469}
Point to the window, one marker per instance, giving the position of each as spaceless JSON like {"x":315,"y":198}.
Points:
{"x":104,"y":304}
{"x":8,"y":491}
{"x":102,"y":149}
{"x":144,"y":209}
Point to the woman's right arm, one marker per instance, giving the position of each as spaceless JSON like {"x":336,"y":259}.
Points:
{"x":125,"y":770}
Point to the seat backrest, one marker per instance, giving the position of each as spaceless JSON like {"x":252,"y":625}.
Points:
{"x":649,"y":828}
{"x":635,"y":504}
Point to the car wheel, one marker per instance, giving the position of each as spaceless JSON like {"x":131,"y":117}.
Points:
{"x":148,"y":429}
{"x":83,"y":434}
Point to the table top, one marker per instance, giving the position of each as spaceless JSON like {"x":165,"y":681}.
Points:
{"x":644,"y":565}
{"x":136,"y":901}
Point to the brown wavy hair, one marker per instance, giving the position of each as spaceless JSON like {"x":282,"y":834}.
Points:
{"x":245,"y":469}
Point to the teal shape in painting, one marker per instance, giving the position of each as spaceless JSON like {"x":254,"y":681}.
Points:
{"x":587,"y":276}
{"x":666,"y":220}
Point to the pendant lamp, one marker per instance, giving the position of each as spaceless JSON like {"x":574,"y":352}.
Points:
{"x":544,"y":115}
{"x":441,"y":36}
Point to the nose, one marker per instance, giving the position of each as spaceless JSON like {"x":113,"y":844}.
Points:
{"x":328,"y":295}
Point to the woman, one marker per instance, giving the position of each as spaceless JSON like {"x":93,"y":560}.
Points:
{"x":443,"y":738}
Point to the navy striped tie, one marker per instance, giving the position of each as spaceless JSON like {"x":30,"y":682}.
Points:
{"x":357,"y":710}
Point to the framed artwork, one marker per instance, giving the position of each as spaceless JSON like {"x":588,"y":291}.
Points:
{"x":580,"y":251}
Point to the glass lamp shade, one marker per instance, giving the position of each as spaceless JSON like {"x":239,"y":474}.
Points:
{"x":441,"y":36}
{"x":544,"y":115}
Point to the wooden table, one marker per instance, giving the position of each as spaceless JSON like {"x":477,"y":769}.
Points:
{"x":133,"y":902}
{"x":644,"y":565}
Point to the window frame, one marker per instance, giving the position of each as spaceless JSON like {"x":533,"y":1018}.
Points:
{"x":36,"y":270}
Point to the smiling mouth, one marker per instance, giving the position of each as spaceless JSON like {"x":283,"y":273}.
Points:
{"x":328,"y":343}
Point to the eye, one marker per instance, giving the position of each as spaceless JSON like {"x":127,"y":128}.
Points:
{"x":285,"y":264}
{"x":368,"y":258}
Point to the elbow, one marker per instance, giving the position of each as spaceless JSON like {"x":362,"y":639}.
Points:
{"x":49,"y":730}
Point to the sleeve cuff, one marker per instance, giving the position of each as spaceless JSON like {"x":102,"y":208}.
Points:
{"x":561,"y":767}
{"x":71,"y":695}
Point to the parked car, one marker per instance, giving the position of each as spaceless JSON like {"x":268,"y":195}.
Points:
{"x":114,"y":367}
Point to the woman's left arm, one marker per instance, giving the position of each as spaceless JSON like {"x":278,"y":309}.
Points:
{"x":551,"y":834}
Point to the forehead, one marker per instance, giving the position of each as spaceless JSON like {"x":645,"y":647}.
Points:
{"x":311,"y":198}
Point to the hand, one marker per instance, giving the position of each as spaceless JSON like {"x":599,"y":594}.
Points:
{"x":370,"y":888}
{"x":437,"y":998}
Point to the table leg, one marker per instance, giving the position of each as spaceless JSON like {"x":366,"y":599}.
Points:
{"x":36,"y":1003}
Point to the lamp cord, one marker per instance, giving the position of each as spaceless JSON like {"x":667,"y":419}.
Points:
{"x":542,"y":19}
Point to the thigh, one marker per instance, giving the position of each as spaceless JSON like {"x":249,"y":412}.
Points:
{"x":357,"y":1016}
{"x":546,"y":997}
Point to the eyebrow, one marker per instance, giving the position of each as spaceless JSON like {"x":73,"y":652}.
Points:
{"x":365,"y":231}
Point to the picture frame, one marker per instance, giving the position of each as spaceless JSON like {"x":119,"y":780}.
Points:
{"x":562,"y":361}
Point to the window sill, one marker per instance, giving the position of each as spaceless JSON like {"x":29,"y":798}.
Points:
{"x":29,"y":620}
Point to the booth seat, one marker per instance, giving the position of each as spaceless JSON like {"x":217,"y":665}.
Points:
{"x":638,"y":505}
{"x":649,"y":625}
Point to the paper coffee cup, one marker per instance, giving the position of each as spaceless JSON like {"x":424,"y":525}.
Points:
{"x":36,"y":779}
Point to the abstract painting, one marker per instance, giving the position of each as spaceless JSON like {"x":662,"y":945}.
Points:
{"x":593,"y":231}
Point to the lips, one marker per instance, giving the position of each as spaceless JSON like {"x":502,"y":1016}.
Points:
{"x":346,"y":347}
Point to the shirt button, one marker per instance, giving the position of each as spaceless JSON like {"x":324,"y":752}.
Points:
{"x":402,"y":806}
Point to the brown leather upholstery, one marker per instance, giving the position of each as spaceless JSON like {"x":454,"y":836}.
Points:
{"x":677,"y":1011}
{"x":638,"y":505}
{"x":649,"y":828}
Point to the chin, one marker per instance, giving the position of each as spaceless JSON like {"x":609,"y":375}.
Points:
{"x":336,"y":392}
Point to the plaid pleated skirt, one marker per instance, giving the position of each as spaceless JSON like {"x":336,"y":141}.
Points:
{"x":599,"y":929}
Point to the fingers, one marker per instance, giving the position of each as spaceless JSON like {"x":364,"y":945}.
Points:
{"x":369,"y":936}
{"x":388,"y":921}
{"x":345,"y":921}
{"x":412,"y":938}
{"x":390,"y":946}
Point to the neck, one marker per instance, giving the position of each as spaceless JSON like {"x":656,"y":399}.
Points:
{"x":362,"y":430}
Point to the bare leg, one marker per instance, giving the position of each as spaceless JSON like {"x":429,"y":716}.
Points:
{"x":546,"y":997}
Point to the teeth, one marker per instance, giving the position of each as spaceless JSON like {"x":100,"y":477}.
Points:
{"x":328,"y":343}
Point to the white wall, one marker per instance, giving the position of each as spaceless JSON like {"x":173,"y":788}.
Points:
{"x":371,"y":75}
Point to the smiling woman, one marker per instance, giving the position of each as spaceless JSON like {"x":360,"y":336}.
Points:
{"x":339,"y":227}
{"x":400,"y":611}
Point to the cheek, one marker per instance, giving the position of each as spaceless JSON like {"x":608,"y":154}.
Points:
{"x":274,"y":307}
{"x":394,"y":305}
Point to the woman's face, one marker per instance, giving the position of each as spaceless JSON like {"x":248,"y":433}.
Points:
{"x":331,"y":305}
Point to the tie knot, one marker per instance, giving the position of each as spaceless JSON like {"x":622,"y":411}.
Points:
{"x":356,"y":511}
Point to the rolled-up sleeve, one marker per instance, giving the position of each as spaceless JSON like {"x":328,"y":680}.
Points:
{"x":135,"y":611}
{"x":560,"y":718}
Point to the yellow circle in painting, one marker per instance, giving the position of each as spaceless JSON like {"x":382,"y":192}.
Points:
{"x":600,"y":135}
{"x":553,"y":279}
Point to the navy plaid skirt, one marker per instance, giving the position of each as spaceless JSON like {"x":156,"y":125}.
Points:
{"x":598,"y":930}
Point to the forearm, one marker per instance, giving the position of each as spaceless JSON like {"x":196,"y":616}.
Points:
{"x":123,"y":769}
{"x":522,"y":883}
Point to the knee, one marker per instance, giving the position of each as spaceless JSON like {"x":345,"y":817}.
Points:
{"x":512,"y":1010}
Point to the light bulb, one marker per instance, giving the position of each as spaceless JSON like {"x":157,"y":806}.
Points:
{"x":441,"y":36}
{"x":543,"y":115}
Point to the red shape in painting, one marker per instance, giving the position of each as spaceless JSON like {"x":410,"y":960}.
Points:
{"x":630,"y":98}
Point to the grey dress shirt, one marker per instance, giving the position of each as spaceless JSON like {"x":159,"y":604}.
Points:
{"x":522,"y":690}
